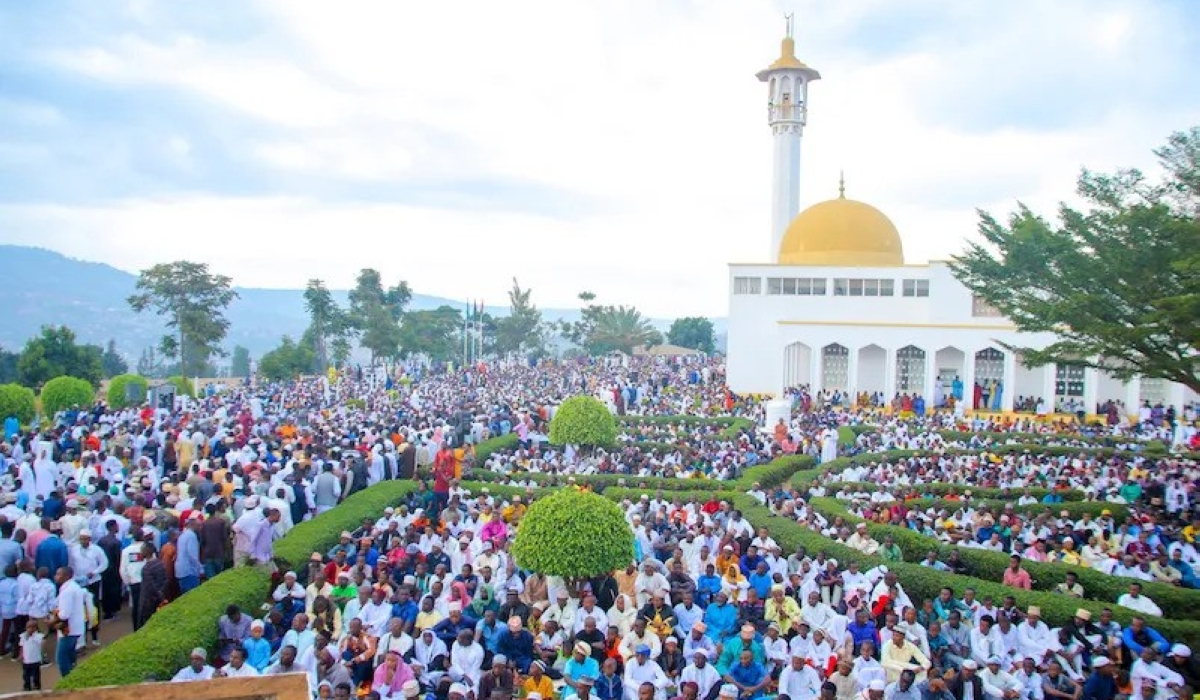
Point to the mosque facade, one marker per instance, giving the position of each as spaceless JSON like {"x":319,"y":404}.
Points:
{"x":838,"y":308}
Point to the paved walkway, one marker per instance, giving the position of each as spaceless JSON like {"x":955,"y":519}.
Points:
{"x":10,"y":671}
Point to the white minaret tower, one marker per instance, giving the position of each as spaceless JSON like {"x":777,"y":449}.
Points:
{"x":787,"y":112}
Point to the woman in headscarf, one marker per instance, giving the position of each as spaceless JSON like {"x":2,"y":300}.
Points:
{"x":430,"y":657}
{"x":622,"y":614}
{"x":459,"y":593}
{"x":390,"y":677}
{"x":484,"y":600}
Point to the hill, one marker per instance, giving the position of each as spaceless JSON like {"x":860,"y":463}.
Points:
{"x":44,"y":287}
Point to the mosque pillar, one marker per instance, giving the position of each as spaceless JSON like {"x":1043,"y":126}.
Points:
{"x":852,"y":373}
{"x":1175,"y":394}
{"x":1008,"y":389}
{"x":815,"y":378}
{"x":929,"y":391}
{"x":1091,"y":389}
{"x":1133,"y":398}
{"x":889,"y":375}
{"x":968,"y":381}
{"x":1049,"y":376}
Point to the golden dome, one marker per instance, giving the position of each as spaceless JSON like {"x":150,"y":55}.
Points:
{"x":841,"y":232}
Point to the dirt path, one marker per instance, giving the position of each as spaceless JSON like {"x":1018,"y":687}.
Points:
{"x":10,"y":671}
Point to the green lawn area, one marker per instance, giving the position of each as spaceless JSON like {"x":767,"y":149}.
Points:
{"x":846,"y":436}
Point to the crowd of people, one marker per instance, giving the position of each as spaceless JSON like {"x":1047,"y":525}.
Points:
{"x":118,"y":511}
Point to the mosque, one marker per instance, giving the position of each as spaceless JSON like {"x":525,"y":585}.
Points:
{"x":838,"y":308}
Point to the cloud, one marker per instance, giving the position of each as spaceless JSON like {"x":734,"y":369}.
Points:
{"x":618,"y":147}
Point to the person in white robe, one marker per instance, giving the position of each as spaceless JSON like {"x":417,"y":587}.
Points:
{"x":1035,"y":638}
{"x":466,"y":660}
{"x":198,"y":669}
{"x":642,"y":669}
{"x":799,"y":681}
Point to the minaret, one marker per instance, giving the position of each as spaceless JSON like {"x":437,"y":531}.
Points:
{"x":787,"y":112}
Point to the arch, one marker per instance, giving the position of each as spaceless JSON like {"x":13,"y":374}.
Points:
{"x":835,"y":367}
{"x":949,"y":364}
{"x":910,"y":370}
{"x":872,"y":369}
{"x":797,"y":365}
{"x":989,"y":379}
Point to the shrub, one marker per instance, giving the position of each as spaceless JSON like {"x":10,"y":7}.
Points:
{"x":64,"y":392}
{"x":584,"y":421}
{"x":573,"y":534}
{"x":118,"y":385}
{"x":356,"y":403}
{"x":163,"y":645}
{"x":18,"y":402}
{"x":921,"y":582}
{"x":183,"y":385}
{"x":990,"y":565}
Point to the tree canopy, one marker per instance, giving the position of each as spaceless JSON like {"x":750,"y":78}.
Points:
{"x":432,"y":332}
{"x":521,"y":331}
{"x":573,"y":534}
{"x":289,"y":360}
{"x":54,"y":353}
{"x":194,"y":301}
{"x":695,"y":332}
{"x":375,"y":313}
{"x":112,"y":362}
{"x":239,"y":362}
{"x":1118,"y":280}
{"x":605,"y":328}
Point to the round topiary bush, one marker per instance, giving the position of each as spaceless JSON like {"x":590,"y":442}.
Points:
{"x":18,"y":402}
{"x":118,"y":388}
{"x":584,"y":421}
{"x":183,"y":385}
{"x":64,"y":392}
{"x":574,"y":534}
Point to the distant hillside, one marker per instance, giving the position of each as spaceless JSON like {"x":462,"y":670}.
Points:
{"x":43,"y":287}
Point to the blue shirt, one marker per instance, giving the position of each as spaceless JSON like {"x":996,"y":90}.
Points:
{"x":187,"y":561}
{"x":761,"y":583}
{"x":10,"y":553}
{"x":575,"y":670}
{"x":52,"y":554}
{"x":490,"y":635}
{"x":749,"y":675}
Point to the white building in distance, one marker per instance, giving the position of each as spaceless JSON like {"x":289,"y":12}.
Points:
{"x":837,"y":307}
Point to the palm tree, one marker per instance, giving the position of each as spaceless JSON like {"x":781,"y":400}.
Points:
{"x":621,"y":328}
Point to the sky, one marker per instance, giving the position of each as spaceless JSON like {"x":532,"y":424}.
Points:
{"x":617,"y":146}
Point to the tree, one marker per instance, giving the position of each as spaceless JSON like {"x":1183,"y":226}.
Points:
{"x":18,"y":402}
{"x":328,"y":323}
{"x":1118,"y":282}
{"x":583,"y":421}
{"x":149,"y":364}
{"x":521,"y":332}
{"x":435,"y":333}
{"x":375,"y":313}
{"x":8,"y":366}
{"x":194,"y":302}
{"x":287,"y":361}
{"x":54,"y":353}
{"x":65,"y":392}
{"x":111,"y":361}
{"x":602,"y":329}
{"x":239,"y":362}
{"x":693,"y":332}
{"x":119,"y":395}
{"x":573,"y":534}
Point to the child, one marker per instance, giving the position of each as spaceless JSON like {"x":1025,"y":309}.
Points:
{"x":31,"y":656}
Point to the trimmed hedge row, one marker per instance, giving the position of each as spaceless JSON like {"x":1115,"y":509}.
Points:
{"x":1074,"y":509}
{"x":163,"y":645}
{"x":1177,"y":602}
{"x":922,"y":582}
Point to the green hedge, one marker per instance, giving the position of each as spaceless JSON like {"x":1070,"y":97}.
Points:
{"x":987,"y":564}
{"x":64,"y":392}
{"x":18,"y":402}
{"x":921,"y":582}
{"x":117,"y":386}
{"x":163,"y":645}
{"x":1074,"y":509}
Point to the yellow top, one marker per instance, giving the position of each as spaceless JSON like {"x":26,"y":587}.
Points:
{"x":841,"y":232}
{"x":787,"y":56}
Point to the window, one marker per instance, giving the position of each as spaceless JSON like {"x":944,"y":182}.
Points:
{"x":796,"y":286}
{"x":835,"y":366}
{"x":1068,"y":380}
{"x":862,"y":287}
{"x":747,"y":285}
{"x":915,"y":288}
{"x":910,"y":370}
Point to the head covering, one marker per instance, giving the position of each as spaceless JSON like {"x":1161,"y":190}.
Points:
{"x":499,"y":660}
{"x":1084,"y":615}
{"x":877,"y":685}
{"x":642,"y":649}
{"x":583,"y":648}
{"x":1181,"y":650}
{"x":1100,"y":662}
{"x":200,"y":653}
{"x":729,"y":690}
{"x":970,"y":664}
{"x":411,"y":688}
{"x":458,"y":689}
